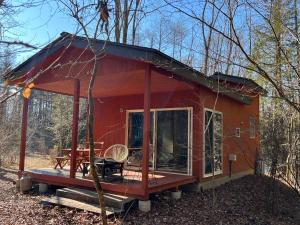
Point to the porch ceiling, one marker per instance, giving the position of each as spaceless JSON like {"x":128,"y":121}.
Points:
{"x":116,"y":76}
{"x":64,"y":49}
{"x":117,"y":84}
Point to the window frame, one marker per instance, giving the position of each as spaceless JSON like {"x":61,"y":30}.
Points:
{"x":252,"y":129}
{"x":205,"y":175}
{"x":190,"y":136}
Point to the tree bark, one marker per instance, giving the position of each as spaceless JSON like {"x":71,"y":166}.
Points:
{"x":125,"y":21}
{"x":134,"y":24}
{"x":92,"y":145}
{"x":117,"y":20}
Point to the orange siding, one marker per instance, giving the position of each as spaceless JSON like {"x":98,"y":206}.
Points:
{"x":110,"y":123}
{"x":235,"y":115}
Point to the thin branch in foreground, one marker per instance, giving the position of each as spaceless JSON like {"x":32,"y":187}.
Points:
{"x":19,"y":43}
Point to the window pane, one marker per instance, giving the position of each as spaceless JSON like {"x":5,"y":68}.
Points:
{"x":213,"y":142}
{"x":208,"y":142}
{"x":172,"y":140}
{"x":135,"y":130}
{"x":218,"y":141}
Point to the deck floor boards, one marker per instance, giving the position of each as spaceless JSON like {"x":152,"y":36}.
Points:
{"x":130,"y":184}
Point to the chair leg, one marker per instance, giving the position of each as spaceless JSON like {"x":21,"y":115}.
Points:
{"x":103,"y":172}
{"x":121,"y":169}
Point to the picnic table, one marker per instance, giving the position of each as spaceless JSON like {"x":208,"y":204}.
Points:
{"x":82,"y":155}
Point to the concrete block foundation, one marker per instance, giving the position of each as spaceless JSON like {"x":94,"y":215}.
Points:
{"x":175,"y":195}
{"x":25,"y":184}
{"x":18,"y":184}
{"x":205,"y":185}
{"x":145,"y":206}
{"x":43,"y":188}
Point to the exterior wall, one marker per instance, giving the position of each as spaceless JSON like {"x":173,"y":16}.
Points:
{"x":110,"y":124}
{"x":235,"y":115}
{"x":110,"y":117}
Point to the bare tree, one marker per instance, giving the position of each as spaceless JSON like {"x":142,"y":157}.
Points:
{"x":126,"y":14}
{"x":8,"y":9}
{"x":230,"y":15}
{"x":80,"y":13}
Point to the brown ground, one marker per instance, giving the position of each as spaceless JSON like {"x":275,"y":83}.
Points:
{"x":238,"y":202}
{"x":36,"y":161}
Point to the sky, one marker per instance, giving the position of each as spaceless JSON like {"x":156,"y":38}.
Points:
{"x":44,"y":23}
{"x":40,"y":25}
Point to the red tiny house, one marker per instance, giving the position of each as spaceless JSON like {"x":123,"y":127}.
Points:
{"x":167,"y":101}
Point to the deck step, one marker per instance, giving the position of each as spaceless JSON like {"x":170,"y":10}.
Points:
{"x":79,"y":205}
{"x":111,"y":200}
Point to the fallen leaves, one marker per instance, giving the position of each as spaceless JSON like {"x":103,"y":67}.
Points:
{"x":240,"y":202}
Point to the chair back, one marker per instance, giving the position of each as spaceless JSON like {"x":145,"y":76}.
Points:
{"x":117,"y":152}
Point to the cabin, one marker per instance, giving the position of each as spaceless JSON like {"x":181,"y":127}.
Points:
{"x":188,"y":128}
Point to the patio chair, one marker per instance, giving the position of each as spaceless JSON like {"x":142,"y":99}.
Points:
{"x":117,"y":152}
{"x":134,"y":164}
{"x":114,"y":158}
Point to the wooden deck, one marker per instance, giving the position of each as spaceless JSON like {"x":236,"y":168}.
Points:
{"x":130,"y":185}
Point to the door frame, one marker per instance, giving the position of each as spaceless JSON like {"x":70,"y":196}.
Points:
{"x":214,"y":173}
{"x":190,"y":136}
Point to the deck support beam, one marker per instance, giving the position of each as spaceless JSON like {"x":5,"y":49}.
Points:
{"x":146,"y":131}
{"x":76,"y":96}
{"x":23,"y":136}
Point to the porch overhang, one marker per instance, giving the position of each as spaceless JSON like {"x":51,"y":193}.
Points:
{"x":25,"y":72}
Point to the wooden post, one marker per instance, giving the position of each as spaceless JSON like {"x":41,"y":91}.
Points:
{"x":23,"y":136}
{"x":146,"y":131}
{"x":75,"y":128}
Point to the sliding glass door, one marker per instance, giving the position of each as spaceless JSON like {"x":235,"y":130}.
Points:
{"x":135,"y":136}
{"x":213,"y":142}
{"x":170,"y":138}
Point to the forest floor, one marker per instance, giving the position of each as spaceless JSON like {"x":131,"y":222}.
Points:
{"x":240,"y":202}
{"x":35,"y":161}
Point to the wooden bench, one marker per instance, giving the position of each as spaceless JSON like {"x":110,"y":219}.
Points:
{"x":61,"y":161}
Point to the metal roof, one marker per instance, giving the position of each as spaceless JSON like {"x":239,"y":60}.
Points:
{"x":148,"y":55}
{"x":240,"y":80}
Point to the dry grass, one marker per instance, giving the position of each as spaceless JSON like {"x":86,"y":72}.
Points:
{"x":36,"y":161}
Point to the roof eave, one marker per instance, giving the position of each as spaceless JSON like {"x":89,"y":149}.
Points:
{"x":158,"y":59}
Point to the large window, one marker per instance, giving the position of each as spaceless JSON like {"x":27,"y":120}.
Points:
{"x":170,"y":137}
{"x":213,"y":142}
{"x":135,"y":129}
{"x":172,"y":145}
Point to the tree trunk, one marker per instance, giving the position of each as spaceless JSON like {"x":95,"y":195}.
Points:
{"x":125,"y":21}
{"x":117,"y":20}
{"x":134,"y":24}
{"x":92,"y":145}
